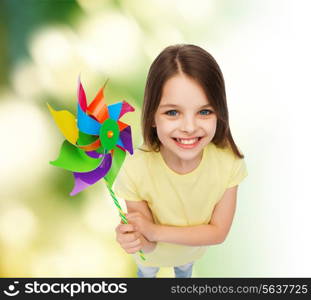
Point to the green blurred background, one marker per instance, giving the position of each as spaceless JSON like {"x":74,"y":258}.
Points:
{"x":46,"y":44}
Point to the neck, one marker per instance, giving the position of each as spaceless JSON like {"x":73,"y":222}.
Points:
{"x":178,"y":165}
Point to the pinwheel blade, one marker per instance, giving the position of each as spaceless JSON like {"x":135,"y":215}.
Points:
{"x":86,"y":124}
{"x":81,"y":96}
{"x":122,"y":125}
{"x":94,"y":154}
{"x":74,"y":159}
{"x":86,"y":139}
{"x":98,"y":108}
{"x":79,"y":186}
{"x":85,"y":179}
{"x":120,"y":143}
{"x":88,"y":142}
{"x":93,"y":146}
{"x":126,"y":108}
{"x":66,"y":122}
{"x":117,"y":160}
{"x":115,"y":110}
{"x":126,"y":138}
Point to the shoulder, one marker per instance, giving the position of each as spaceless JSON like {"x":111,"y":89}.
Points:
{"x":225,"y":156}
{"x":133,"y":170}
{"x":138,"y":160}
{"x":222,"y":152}
{"x":232,"y":167}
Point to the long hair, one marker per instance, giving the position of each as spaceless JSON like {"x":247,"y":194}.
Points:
{"x":199,"y":65}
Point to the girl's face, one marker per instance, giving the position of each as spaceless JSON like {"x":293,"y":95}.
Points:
{"x":184,"y":120}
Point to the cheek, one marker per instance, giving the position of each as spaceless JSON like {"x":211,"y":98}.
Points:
{"x":214,"y":126}
{"x":211,"y":126}
{"x":163,"y":131}
{"x":164,"y":127}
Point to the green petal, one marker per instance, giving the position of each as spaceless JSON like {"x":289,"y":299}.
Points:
{"x":74,"y":159}
{"x":117,"y":161}
{"x":101,"y":149}
{"x":86,"y":139}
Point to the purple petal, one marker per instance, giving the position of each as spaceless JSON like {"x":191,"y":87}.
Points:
{"x":126,"y":138}
{"x":94,"y":154}
{"x":85,"y":179}
{"x":79,"y":186}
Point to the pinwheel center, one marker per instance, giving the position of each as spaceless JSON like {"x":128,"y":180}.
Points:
{"x":110,"y":134}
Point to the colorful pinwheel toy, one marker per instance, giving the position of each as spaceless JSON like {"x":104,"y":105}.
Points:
{"x":95,"y":143}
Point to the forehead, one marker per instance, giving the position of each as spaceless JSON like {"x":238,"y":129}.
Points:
{"x":182,"y":90}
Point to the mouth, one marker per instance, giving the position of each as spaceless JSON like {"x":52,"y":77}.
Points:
{"x":187,"y":142}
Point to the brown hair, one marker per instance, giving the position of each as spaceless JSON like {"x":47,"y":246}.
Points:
{"x":199,"y":65}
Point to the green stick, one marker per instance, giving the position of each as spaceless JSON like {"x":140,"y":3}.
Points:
{"x":122,"y":215}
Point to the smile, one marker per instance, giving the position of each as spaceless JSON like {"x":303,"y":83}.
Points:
{"x":187,"y":143}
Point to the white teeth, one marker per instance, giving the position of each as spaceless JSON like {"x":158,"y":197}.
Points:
{"x":187,"y":142}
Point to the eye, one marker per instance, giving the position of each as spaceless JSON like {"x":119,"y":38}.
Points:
{"x":172,"y":113}
{"x":205,"y":112}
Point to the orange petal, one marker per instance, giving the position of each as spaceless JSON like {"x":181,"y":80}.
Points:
{"x":90,"y":147}
{"x":122,"y":125}
{"x":98,"y":109}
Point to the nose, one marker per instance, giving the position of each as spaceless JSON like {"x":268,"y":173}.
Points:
{"x":188,"y":124}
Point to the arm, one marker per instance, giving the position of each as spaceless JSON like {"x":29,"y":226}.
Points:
{"x":210,"y":234}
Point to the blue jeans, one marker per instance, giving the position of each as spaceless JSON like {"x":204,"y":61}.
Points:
{"x":184,"y":271}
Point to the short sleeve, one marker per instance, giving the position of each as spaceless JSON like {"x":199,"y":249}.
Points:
{"x":238,"y":173}
{"x":125,"y":187}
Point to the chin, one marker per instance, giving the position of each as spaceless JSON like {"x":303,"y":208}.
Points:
{"x":187,"y":154}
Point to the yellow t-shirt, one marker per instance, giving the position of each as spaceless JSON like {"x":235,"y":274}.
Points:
{"x":178,"y":200}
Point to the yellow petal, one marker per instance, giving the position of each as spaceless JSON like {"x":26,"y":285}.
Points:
{"x":67,"y":124}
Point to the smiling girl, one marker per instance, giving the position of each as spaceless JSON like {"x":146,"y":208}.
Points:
{"x":181,"y":186}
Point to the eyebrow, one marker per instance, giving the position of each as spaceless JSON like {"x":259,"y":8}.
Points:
{"x":174,"y":105}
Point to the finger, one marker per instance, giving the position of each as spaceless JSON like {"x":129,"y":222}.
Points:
{"x":129,"y":237}
{"x":123,"y":228}
{"x":117,"y":229}
{"x":132,"y":219}
{"x":123,"y":238}
{"x":133,"y":250}
{"x":133,"y":244}
{"x":133,"y":214}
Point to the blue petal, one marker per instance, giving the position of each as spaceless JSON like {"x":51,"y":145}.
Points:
{"x":115,"y":110}
{"x":87,"y":124}
{"x":120,"y":143}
